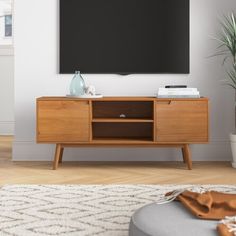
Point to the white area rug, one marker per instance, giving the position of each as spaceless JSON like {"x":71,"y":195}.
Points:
{"x":81,"y":210}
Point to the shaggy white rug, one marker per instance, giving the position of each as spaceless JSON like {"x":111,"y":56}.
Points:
{"x":81,"y":210}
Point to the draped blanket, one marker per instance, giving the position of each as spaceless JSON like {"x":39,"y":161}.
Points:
{"x":212,"y":205}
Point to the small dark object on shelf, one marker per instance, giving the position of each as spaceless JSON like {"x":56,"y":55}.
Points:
{"x":176,"y":86}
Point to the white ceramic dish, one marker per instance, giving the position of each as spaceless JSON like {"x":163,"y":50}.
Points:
{"x":86,"y":96}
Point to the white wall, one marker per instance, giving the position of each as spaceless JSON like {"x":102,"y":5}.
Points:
{"x":36,"y":74}
{"x":6,"y":93}
{"x":6,"y":75}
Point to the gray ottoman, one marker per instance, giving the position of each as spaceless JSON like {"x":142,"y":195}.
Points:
{"x":168,"y":220}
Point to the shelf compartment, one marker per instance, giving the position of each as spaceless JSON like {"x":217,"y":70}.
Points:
{"x":121,"y":120}
{"x":123,"y":140}
{"x":122,"y":131}
{"x":123,"y":109}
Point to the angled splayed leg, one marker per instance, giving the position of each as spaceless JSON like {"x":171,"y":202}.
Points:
{"x":58,"y":155}
{"x":187,"y":156}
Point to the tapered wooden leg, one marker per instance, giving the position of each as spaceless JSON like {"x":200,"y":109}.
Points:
{"x":57,"y":156}
{"x":187,"y":156}
{"x":61,"y":154}
{"x":183,"y":154}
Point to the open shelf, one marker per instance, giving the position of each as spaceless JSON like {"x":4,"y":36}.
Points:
{"x":121,"y":120}
{"x":141,"y":110}
{"x":122,"y":131}
{"x":123,"y":140}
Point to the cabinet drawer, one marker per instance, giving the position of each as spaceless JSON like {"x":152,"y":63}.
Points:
{"x":182,"y":121}
{"x":62,"y":121}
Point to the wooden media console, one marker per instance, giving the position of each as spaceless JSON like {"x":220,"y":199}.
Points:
{"x":122,"y":121}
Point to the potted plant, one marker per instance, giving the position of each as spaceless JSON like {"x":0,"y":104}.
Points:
{"x":227,"y":49}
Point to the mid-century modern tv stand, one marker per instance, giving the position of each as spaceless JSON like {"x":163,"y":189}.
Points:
{"x":122,"y":121}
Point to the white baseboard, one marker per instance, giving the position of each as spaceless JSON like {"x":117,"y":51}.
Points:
{"x":7,"y":127}
{"x":217,"y":150}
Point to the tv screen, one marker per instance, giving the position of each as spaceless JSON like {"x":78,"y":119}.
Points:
{"x":124,"y":36}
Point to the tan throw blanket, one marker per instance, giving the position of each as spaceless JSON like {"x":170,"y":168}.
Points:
{"x":209,"y":205}
{"x":214,"y":206}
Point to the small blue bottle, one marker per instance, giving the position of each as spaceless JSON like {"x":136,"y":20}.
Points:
{"x":77,"y":85}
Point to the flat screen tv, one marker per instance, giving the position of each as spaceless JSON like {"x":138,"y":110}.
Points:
{"x":124,"y":36}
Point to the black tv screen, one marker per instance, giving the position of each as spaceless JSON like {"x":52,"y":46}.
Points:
{"x":124,"y":36}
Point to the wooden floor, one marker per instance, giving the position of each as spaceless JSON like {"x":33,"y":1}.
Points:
{"x":110,"y":173}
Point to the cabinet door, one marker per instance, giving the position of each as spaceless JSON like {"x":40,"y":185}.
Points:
{"x":63,"y":121}
{"x":182,"y":121}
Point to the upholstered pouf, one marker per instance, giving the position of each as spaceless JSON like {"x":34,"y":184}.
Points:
{"x":170,"y":219}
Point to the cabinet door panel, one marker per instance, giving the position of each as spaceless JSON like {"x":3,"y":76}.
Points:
{"x":182,"y":121}
{"x":63,"y":121}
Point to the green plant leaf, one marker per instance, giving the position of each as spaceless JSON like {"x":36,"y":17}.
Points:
{"x":227,"y":45}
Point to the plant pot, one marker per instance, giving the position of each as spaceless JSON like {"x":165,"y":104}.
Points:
{"x":233,"y":148}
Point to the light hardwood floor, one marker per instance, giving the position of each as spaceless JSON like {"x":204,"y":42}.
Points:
{"x":110,"y":173}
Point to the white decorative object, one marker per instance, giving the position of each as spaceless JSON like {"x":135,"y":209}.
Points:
{"x":86,"y":96}
{"x":91,"y":96}
{"x":90,"y":90}
{"x":178,"y":93}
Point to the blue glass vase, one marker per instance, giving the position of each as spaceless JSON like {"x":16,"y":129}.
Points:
{"x":77,"y":85}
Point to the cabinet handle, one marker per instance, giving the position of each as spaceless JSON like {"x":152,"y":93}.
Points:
{"x":122,"y":116}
